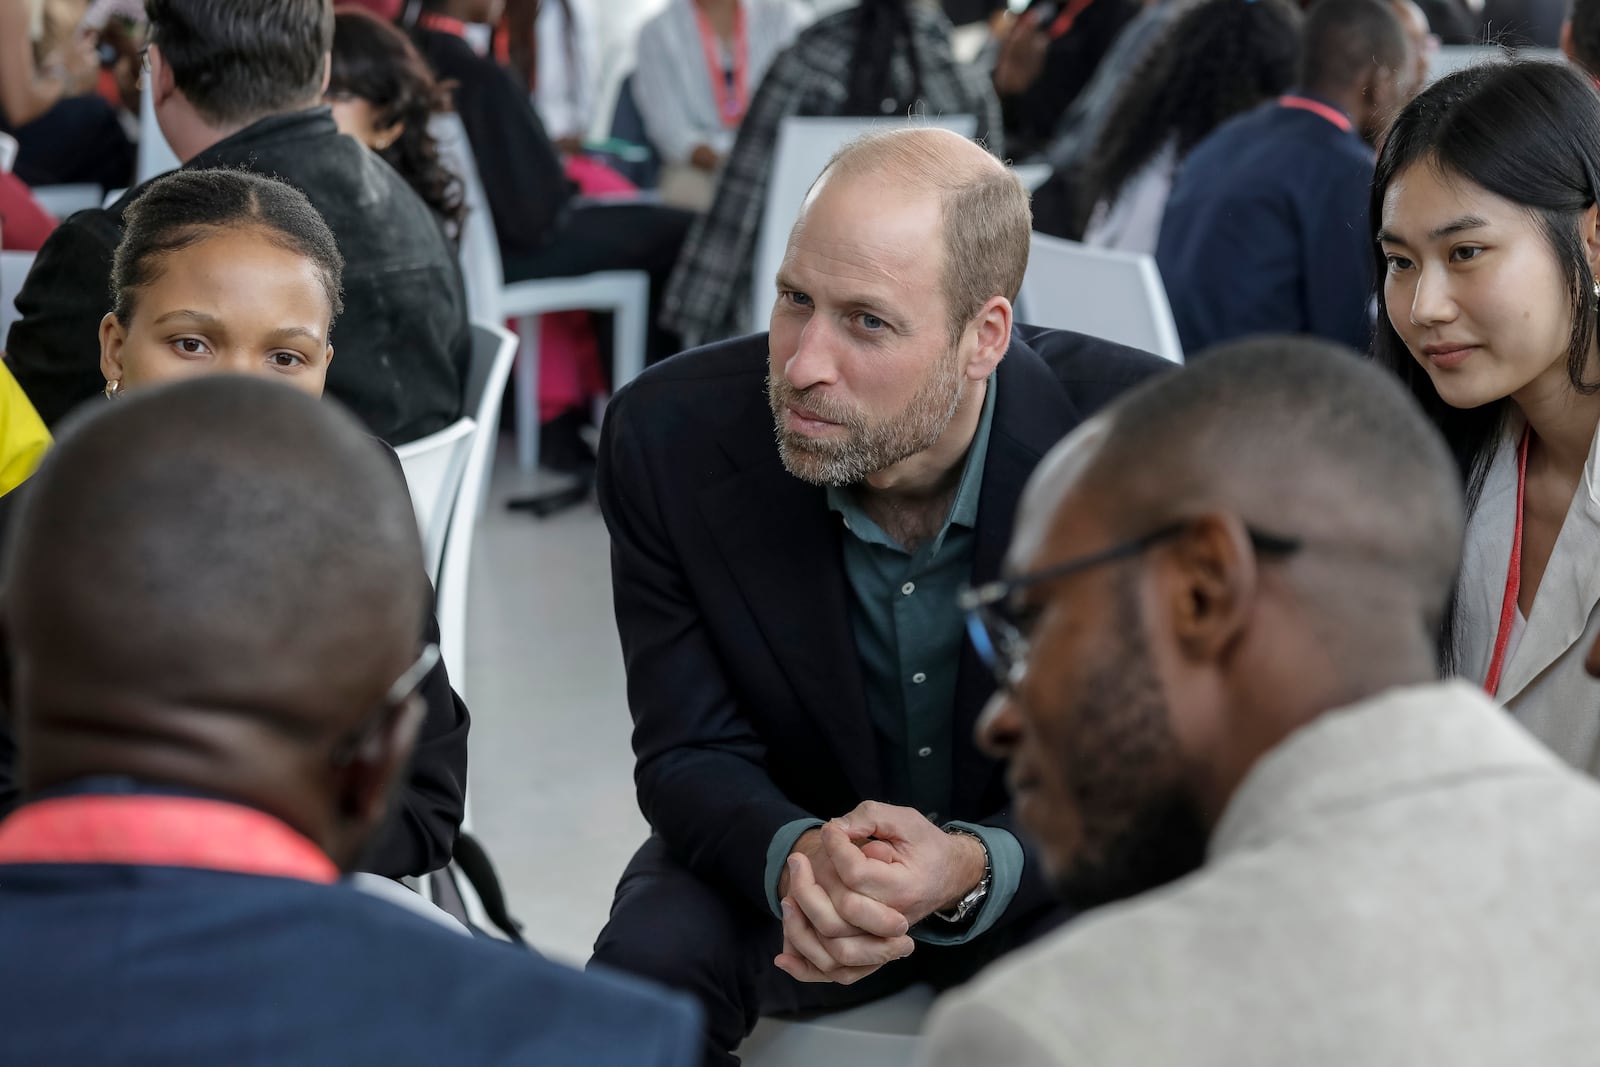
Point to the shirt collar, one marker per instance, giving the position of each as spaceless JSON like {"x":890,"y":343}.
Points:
{"x":1392,"y":744}
{"x":963,"y":511}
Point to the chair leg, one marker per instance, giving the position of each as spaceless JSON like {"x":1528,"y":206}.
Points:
{"x":528,"y":393}
{"x":629,"y":344}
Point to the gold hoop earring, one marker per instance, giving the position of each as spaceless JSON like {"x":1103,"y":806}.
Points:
{"x":112,"y":386}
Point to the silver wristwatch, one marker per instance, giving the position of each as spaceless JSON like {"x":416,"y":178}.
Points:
{"x":969,"y":903}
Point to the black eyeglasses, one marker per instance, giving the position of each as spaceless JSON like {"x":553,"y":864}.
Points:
{"x":1001,"y":645}
{"x":400,"y":694}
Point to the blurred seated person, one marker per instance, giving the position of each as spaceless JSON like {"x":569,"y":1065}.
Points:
{"x":1222,"y":695}
{"x":542,"y":230}
{"x":699,"y":62}
{"x":211,"y":733}
{"x":228,"y":272}
{"x":879,"y":59}
{"x":566,"y":71}
{"x":66,"y":133}
{"x":240,"y":85}
{"x":1216,"y":59}
{"x":1266,"y":227}
{"x":1049,"y":54}
{"x":383,"y":94}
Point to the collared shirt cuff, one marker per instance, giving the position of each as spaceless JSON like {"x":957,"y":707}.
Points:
{"x":1005,"y":874}
{"x":778,"y":854}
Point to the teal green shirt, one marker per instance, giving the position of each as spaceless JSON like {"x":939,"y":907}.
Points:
{"x":908,"y":634}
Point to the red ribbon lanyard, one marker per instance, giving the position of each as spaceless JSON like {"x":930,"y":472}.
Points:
{"x":432,"y":20}
{"x":1508,"y":606}
{"x":1063,"y":23}
{"x":731,"y":103}
{"x":1317,"y":107}
{"x":157,"y":831}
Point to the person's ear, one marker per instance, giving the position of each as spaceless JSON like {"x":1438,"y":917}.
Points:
{"x":112,"y":337}
{"x":162,"y":82}
{"x":1566,"y":41}
{"x":1211,"y":584}
{"x":327,"y":75}
{"x":368,"y":778}
{"x":387,"y":136}
{"x":991,"y":328}
{"x":1589,"y":234}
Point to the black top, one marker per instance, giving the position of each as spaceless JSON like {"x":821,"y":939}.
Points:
{"x":1069,"y":62}
{"x":428,"y":805}
{"x":401,"y":347}
{"x":733,"y":605}
{"x":522,"y":175}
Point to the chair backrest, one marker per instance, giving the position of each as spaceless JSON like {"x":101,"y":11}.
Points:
{"x":1451,"y":58}
{"x":804,"y":147}
{"x":494,"y":350}
{"x":434,"y":467}
{"x":1116,"y":296}
{"x":481,"y":268}
{"x":155,"y":155}
{"x":63,"y":201}
{"x":14,"y":268}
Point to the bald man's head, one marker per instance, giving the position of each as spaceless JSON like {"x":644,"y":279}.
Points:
{"x":210,"y":583}
{"x":986,"y":220}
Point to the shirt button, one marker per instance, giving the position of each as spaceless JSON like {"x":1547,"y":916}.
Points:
{"x":918,"y":678}
{"x":909,"y":588}
{"x":924,"y":751}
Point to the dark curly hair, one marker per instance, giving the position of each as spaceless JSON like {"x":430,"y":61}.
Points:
{"x":184,"y":207}
{"x":1213,"y":61}
{"x":376,"y":62}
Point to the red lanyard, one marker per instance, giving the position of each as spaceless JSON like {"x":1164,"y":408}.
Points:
{"x":731,"y":102}
{"x":1508,"y":606}
{"x":1317,"y":107}
{"x":432,"y":20}
{"x":1063,"y":23}
{"x":158,"y":831}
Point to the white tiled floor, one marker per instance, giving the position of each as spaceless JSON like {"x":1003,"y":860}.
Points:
{"x":551,"y":771}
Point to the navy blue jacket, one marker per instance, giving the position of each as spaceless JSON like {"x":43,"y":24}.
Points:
{"x":1266,"y":232}
{"x":167,"y":967}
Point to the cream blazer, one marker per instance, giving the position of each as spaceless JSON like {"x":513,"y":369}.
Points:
{"x":1543,"y":684}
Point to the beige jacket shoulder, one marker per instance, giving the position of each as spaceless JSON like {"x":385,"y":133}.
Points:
{"x":1543,"y":684}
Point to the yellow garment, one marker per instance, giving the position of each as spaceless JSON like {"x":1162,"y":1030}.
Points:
{"x":23,"y":437}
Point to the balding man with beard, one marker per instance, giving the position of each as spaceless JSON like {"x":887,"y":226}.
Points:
{"x":791,"y":518}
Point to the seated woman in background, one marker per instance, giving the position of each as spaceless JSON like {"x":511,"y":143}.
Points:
{"x":383,"y":94}
{"x":699,"y":61}
{"x":228,"y":272}
{"x":1488,"y":245}
{"x":1215,"y":60}
{"x":47,"y":102}
{"x":878,"y":58}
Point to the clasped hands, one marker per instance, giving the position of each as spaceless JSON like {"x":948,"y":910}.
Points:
{"x":853,"y":888}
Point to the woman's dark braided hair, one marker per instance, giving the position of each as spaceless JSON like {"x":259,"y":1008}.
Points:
{"x":883,"y":28}
{"x":1213,"y":61}
{"x":376,"y":62}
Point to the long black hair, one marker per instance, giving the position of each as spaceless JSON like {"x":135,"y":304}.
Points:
{"x":378,"y":63}
{"x":185,"y":207}
{"x":883,"y":29}
{"x":1216,"y":59}
{"x":1528,"y":132}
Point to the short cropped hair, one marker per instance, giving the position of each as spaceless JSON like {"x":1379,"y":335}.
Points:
{"x":1341,"y":40}
{"x":242,"y":60}
{"x":987,"y":220}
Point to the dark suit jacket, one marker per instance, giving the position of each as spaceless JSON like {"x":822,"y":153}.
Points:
{"x":733,"y":607}
{"x":402,"y":346}
{"x":141,"y":966}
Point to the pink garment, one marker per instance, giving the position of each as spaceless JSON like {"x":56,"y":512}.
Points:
{"x":384,"y":9}
{"x":570,"y":375}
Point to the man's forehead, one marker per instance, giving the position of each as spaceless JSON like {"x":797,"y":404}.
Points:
{"x":1055,"y":481}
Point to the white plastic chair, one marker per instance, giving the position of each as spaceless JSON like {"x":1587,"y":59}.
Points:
{"x":155,"y":155}
{"x":884,"y":1033}
{"x":1116,"y":296}
{"x":493,"y":351}
{"x":14,"y":267}
{"x":1451,"y":58}
{"x":434,"y":466}
{"x":625,"y":293}
{"x":804,"y":147}
{"x":64,"y":200}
